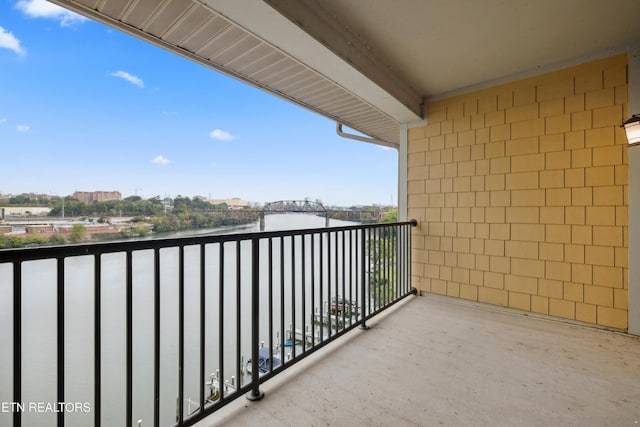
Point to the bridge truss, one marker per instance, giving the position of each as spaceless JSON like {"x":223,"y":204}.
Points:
{"x":293,"y":206}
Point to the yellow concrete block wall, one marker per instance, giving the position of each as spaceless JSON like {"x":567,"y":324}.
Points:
{"x":520,"y":191}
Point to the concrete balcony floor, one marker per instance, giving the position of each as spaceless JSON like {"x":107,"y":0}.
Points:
{"x":437,"y":361}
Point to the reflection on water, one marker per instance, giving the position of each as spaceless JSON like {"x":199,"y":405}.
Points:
{"x":39,"y":320}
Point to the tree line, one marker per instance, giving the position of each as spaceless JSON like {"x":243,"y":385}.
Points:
{"x":156,"y":214}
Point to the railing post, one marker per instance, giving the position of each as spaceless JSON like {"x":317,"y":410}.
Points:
{"x":363,"y":290}
{"x":255,"y":393}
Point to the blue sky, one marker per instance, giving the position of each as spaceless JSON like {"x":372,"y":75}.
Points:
{"x":86,"y":107}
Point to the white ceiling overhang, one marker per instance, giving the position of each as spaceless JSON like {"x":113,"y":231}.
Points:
{"x":370,"y":64}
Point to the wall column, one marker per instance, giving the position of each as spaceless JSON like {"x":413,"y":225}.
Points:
{"x":634,"y":195}
{"x":402,"y":172}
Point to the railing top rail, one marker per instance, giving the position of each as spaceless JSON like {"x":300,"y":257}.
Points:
{"x":51,"y":252}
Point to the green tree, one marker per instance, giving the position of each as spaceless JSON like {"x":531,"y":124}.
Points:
{"x":391,"y":216}
{"x":7,"y":242}
{"x":34,"y":240}
{"x":78,"y":232}
{"x":140,"y":230}
{"x":57,"y":239}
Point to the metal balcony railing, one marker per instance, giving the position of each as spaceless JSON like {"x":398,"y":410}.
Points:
{"x":165,"y":332}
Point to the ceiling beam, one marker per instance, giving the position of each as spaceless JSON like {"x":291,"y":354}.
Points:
{"x":311,"y":36}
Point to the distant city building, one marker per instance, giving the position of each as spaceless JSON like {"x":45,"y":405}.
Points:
{"x":39,"y":229}
{"x":234,"y":203}
{"x":34,"y":196}
{"x":97,"y":196}
{"x":24,"y":211}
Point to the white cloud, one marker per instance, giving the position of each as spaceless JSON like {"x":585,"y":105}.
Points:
{"x":135,"y":80}
{"x":44,"y":9}
{"x":22,"y":128}
{"x":9,"y":41}
{"x":3,"y":120}
{"x":221,"y":135}
{"x":161,"y":160}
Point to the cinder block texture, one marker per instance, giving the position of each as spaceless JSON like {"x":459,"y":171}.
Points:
{"x":522,"y":187}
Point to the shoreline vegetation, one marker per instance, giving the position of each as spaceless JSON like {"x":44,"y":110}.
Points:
{"x":94,"y":221}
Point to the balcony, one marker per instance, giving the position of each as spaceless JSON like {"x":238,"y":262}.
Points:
{"x":423,"y":360}
{"x":167,"y":332}
{"x":439,"y":361}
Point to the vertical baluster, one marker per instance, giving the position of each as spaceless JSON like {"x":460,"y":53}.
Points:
{"x":359,"y":237}
{"x":97,"y":350}
{"x":386,"y":242}
{"x":375,"y":276}
{"x":385,"y":284}
{"x":405,"y":269}
{"x":303,"y":294}
{"x":17,"y":340}
{"x":129,"y":338}
{"x":270,"y":242}
{"x":329,"y":283}
{"x":363,"y":285}
{"x":282,"y":337}
{"x":238,"y":314}
{"x":336,"y":276}
{"x":202,"y":325}
{"x":373,"y":284}
{"x":382,"y":286}
{"x":382,"y":299}
{"x":352,"y":270}
{"x":60,"y":313}
{"x":393,"y":261}
{"x":321,"y":266}
{"x":221,"y":320}
{"x":404,"y":259}
{"x":387,"y":270}
{"x":399,"y":238}
{"x":313,"y":288}
{"x":344,"y":294}
{"x":373,"y":269}
{"x":394,"y":267}
{"x":181,"y":335}
{"x":293,"y":295}
{"x":156,"y":335}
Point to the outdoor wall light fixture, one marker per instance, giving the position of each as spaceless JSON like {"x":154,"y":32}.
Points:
{"x":632,"y":127}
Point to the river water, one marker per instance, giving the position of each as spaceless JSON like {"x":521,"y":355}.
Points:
{"x":39,"y":330}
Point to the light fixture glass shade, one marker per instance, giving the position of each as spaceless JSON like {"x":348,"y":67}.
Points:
{"x":632,"y":127}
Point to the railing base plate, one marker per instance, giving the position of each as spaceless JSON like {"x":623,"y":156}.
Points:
{"x":252,"y":396}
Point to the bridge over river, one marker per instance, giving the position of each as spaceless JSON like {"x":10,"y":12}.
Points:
{"x":303,"y":206}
